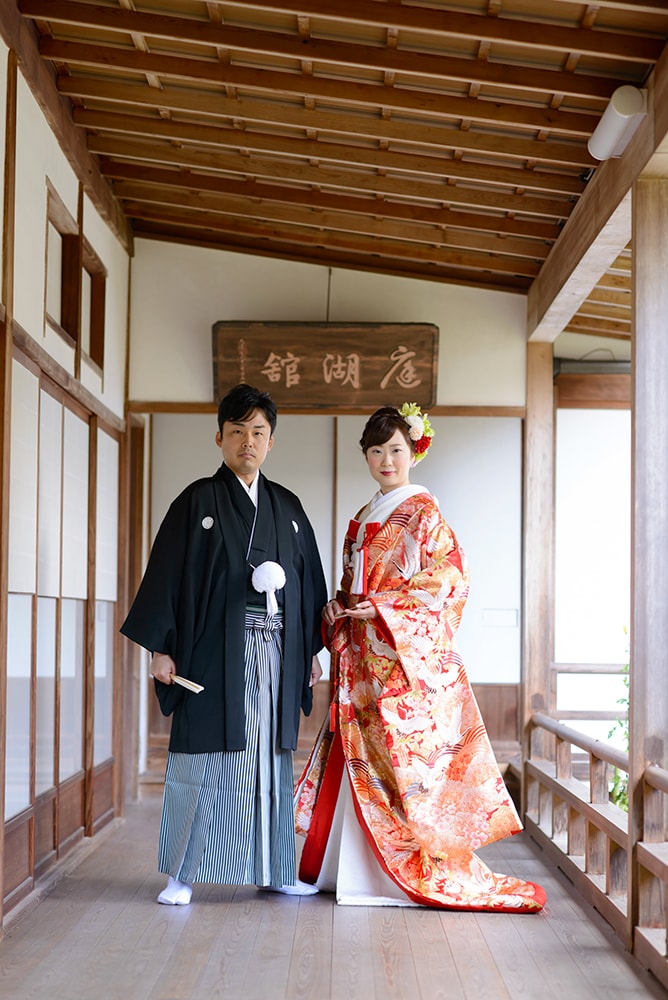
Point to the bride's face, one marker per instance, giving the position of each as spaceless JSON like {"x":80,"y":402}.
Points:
{"x":390,"y":463}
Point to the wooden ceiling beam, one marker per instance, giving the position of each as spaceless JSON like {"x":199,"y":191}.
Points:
{"x":610,"y":297}
{"x":274,"y":212}
{"x":281,"y":45}
{"x":604,"y":311}
{"x":599,"y":327}
{"x":594,"y":245}
{"x":227,"y":145}
{"x":634,"y":6}
{"x":436,"y":24}
{"x":542,"y":83}
{"x":405,"y":187}
{"x":423,"y":270}
{"x":477,"y":27}
{"x":266,"y":113}
{"x":431,"y":214}
{"x":616,"y":282}
{"x":278,"y":234}
{"x":519,"y":116}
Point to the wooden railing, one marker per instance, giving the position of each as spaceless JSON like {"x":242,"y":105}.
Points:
{"x":650,"y":933}
{"x":569,"y":813}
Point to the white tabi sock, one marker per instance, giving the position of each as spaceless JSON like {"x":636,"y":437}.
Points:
{"x":299,"y":889}
{"x":176,"y":893}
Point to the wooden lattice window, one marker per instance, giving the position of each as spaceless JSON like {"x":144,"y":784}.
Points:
{"x":93,"y":291}
{"x":75,"y":286}
{"x":63,"y":266}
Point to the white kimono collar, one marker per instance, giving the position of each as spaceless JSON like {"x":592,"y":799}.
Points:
{"x":381,"y":505}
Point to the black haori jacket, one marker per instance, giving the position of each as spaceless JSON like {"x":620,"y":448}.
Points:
{"x":192,"y":599}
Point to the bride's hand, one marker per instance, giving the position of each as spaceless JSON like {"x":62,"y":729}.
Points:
{"x":365,"y":609}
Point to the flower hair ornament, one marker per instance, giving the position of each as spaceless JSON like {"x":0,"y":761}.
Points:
{"x":420,"y":430}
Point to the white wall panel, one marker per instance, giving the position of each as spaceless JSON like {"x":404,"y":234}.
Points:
{"x":593,"y":536}
{"x":475,"y":470}
{"x":50,"y":495}
{"x":75,"y":507}
{"x":38,"y":156}
{"x":23,"y":480}
{"x":482,"y":342}
{"x":584,"y":347}
{"x":106,"y":558}
{"x":183,"y":449}
{"x":179,"y":292}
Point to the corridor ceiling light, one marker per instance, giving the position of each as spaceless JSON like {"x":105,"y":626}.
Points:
{"x":627,"y":108}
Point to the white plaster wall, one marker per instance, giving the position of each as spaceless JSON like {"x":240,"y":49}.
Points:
{"x":183,"y":449}
{"x":580,"y":347}
{"x":179,"y":292}
{"x":38,"y":156}
{"x":482,"y":343}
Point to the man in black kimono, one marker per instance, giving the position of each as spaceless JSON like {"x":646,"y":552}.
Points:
{"x":231,"y":600}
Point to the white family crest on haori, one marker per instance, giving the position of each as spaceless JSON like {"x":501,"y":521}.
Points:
{"x":207,"y":522}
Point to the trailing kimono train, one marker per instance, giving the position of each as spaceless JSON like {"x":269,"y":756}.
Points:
{"x":406,"y":729}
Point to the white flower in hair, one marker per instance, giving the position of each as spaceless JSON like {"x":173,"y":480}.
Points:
{"x":415,"y":427}
{"x":267,"y":578}
{"x":420,"y":430}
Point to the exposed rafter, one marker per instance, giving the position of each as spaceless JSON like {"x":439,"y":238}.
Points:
{"x":436,"y":141}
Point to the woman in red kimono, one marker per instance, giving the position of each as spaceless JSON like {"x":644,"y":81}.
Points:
{"x":402,"y":786}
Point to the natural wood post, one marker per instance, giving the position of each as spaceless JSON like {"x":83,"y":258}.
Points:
{"x":648,"y":715}
{"x":538,"y":534}
{"x":6,"y":342}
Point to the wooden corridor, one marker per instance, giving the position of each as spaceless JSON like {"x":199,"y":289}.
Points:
{"x":98,"y":934}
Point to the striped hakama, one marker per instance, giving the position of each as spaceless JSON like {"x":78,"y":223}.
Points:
{"x":227,"y":817}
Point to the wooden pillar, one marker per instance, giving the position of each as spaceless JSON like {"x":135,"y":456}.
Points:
{"x":6,"y":347}
{"x":538,"y":531}
{"x":649,"y":529}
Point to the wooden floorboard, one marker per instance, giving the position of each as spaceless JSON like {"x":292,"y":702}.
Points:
{"x":100,"y":935}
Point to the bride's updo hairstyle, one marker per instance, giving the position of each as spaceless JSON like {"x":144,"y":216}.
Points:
{"x":380,"y":427}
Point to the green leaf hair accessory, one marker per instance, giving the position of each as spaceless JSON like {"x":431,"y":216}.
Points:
{"x":420,"y":430}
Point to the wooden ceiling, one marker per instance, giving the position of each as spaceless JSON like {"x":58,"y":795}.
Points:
{"x":436,"y":140}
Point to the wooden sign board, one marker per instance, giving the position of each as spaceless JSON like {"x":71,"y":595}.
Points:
{"x":328,"y":366}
